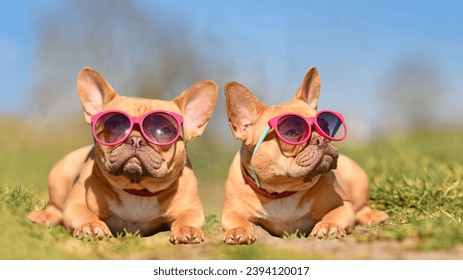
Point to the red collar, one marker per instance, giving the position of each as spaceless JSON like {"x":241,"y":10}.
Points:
{"x":249,"y":181}
{"x":143,"y":192}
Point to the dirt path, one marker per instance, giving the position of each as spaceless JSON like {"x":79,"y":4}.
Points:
{"x":350,"y":249}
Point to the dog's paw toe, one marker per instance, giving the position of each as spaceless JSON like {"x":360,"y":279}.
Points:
{"x":186,"y":235}
{"x":327,"y":230}
{"x":239,"y":236}
{"x":96,"y":230}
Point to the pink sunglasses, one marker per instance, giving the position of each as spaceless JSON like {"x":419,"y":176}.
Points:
{"x":295,"y":129}
{"x":158,"y":127}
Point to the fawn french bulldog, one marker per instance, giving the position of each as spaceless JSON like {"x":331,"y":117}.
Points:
{"x":137,"y":176}
{"x":287,"y":176}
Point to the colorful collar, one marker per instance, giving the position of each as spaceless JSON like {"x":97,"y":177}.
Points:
{"x":143,"y":192}
{"x":255,"y":188}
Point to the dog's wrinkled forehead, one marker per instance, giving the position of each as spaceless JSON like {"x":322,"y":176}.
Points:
{"x":297,"y":107}
{"x":137,"y":107}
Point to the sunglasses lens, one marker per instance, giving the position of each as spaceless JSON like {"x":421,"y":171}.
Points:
{"x":331,"y":125}
{"x":293,"y":129}
{"x":161,"y":128}
{"x":112,"y":127}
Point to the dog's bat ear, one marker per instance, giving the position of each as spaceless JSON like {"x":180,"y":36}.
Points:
{"x":94,"y":92}
{"x":197,"y":105}
{"x":310,"y":88}
{"x":242,"y":109}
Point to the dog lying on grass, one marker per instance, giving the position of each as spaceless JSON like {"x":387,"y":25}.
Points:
{"x":288,"y":177}
{"x":137,"y":176}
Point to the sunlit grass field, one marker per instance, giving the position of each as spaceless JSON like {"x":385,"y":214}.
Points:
{"x":415,"y":177}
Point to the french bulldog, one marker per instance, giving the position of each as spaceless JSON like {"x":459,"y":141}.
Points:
{"x":137,"y":176}
{"x":287,"y":176}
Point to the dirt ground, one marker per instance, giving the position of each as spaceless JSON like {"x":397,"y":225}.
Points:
{"x":350,"y":249}
{"x":347,"y":248}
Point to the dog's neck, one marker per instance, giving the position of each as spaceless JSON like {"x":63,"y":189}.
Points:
{"x":250,"y":182}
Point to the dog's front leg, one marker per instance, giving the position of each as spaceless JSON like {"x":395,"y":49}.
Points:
{"x":336,"y":223}
{"x":78,"y":218}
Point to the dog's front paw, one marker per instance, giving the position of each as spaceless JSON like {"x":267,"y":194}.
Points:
{"x":239,"y":236}
{"x":186,"y":235}
{"x":46,"y":217}
{"x":95,"y":230}
{"x":368,"y":216}
{"x":327,"y":230}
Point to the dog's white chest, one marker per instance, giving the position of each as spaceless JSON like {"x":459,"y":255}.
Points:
{"x":134,"y":213}
{"x":287,"y":214}
{"x":286,"y":209}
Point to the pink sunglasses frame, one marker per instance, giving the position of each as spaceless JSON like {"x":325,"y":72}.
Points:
{"x":137,"y":120}
{"x":273,"y":123}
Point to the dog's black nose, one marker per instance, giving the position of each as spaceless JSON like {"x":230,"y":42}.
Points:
{"x":136,"y":141}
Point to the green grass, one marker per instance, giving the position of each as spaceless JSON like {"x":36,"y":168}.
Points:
{"x":416,"y":178}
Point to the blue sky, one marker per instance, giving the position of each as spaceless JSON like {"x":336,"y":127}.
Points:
{"x":356,"y":46}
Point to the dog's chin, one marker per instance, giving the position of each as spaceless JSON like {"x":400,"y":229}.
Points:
{"x":134,"y":170}
{"x":327,"y":163}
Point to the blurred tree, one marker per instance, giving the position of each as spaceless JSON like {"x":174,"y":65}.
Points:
{"x":147,"y":54}
{"x":412,"y":96}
